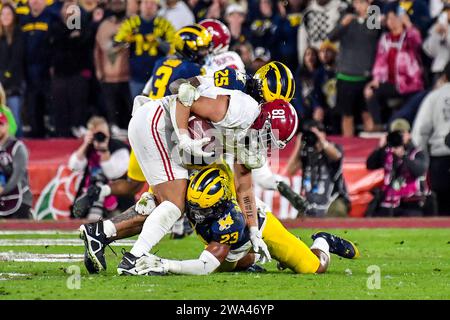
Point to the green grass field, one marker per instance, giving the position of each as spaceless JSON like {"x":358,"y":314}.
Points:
{"x":413,"y":264}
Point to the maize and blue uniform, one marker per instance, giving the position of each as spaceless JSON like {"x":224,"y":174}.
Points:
{"x":230,"y":228}
{"x":169,"y":69}
{"x":145,"y":38}
{"x":227,"y":78}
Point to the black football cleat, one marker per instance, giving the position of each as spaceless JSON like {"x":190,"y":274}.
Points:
{"x":95,"y":242}
{"x":338,"y":246}
{"x":254,"y":268}
{"x":127,"y":266}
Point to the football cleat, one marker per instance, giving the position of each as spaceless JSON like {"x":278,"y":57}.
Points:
{"x":127,"y":266}
{"x":254,"y":268}
{"x":338,"y":246}
{"x":95,"y":242}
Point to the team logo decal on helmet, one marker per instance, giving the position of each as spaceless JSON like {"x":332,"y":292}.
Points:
{"x":207,"y":191}
{"x":193,"y":42}
{"x":221,"y":36}
{"x":275,"y":82}
{"x":278,"y":119}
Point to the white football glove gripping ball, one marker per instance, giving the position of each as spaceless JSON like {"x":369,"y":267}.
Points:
{"x":146,"y":204}
{"x":187,"y":94}
{"x":150,"y":264}
{"x":259,"y":246}
{"x":193,"y":146}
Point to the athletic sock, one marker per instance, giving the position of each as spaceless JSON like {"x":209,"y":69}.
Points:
{"x":155,"y":227}
{"x":109,"y":229}
{"x":322,"y":245}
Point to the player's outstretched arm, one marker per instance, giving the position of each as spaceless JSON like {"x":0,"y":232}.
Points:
{"x":247,"y":203}
{"x":210,"y":259}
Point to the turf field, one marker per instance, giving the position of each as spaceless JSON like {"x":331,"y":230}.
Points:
{"x":412,"y":264}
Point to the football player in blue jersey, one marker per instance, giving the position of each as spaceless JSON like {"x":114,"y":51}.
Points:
{"x":192,"y":44}
{"x":213,"y":210}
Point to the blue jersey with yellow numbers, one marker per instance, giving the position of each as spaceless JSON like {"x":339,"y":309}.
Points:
{"x":144,"y":37}
{"x":230,"y":228}
{"x":231,"y":79}
{"x":169,"y":69}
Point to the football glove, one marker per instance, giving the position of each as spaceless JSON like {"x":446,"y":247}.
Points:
{"x":259,"y":245}
{"x":194,"y":146}
{"x":146,"y":204}
{"x":150,"y":264}
{"x":188,"y":94}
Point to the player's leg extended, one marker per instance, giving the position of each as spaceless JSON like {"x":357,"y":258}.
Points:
{"x":150,"y":139}
{"x":291,"y":251}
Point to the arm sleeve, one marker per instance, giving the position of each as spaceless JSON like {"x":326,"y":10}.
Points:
{"x":423,"y":126}
{"x":117,"y":165}
{"x":204,"y":265}
{"x":76,"y":164}
{"x":20,"y":164}
{"x":418,"y":165}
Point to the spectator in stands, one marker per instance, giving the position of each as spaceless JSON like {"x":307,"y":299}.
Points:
{"x":199,"y":8}
{"x":245,"y":51}
{"x":35,"y":27}
{"x":305,"y":79}
{"x":264,"y":28}
{"x":416,"y":10}
{"x":11,"y":62}
{"x":177,"y":13}
{"x":235,"y":20}
{"x":397,"y":72}
{"x":149,"y":38}
{"x":437,"y":45}
{"x":325,"y":87}
{"x":216,"y":9}
{"x":323,"y":184}
{"x":102,"y":159}
{"x":320,"y":18}
{"x":112,"y":69}
{"x":70,"y":56}
{"x":429,"y":131}
{"x":12,"y":125}
{"x":291,"y":12}
{"x":15,"y":194}
{"x":261,"y":56}
{"x":404,"y":188}
{"x":357,"y":48}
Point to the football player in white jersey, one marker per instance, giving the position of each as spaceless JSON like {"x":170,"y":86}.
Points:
{"x":151,"y":134}
{"x":220,"y":57}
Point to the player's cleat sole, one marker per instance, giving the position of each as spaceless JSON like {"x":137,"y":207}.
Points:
{"x":94,"y":244}
{"x":127,"y":266}
{"x":254,"y":268}
{"x":339,"y":246}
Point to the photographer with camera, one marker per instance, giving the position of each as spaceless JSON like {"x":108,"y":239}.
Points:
{"x":323,"y":184}
{"x":103,"y":160}
{"x":15,"y":194}
{"x":404,"y":191}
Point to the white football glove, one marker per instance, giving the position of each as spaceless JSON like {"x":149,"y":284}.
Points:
{"x":259,"y":245}
{"x":194,"y":147}
{"x":146,"y":204}
{"x":252,"y":160}
{"x":150,"y":263}
{"x":187,"y":94}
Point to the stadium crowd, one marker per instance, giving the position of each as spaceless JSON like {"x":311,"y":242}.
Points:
{"x":360,"y":67}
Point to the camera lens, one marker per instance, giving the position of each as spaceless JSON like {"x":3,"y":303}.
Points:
{"x":99,"y":137}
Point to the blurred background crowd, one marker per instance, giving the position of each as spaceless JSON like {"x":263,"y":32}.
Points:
{"x":361,"y":67}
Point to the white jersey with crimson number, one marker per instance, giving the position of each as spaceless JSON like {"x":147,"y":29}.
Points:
{"x":153,"y":139}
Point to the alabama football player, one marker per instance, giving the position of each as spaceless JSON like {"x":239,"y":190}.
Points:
{"x":220,"y":57}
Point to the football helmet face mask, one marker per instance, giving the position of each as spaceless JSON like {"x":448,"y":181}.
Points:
{"x":274,"y":81}
{"x":220,"y":35}
{"x":207,"y":194}
{"x":193,"y":43}
{"x":277,"y":123}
